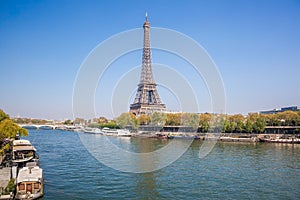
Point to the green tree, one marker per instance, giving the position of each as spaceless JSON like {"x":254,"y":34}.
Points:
{"x":191,"y":120}
{"x":68,"y":122}
{"x":158,"y":118}
{"x":228,"y":126}
{"x":128,"y":119}
{"x":134,"y":122}
{"x":123,"y":120}
{"x":239,"y":127}
{"x":259,"y":126}
{"x":3,"y":115}
{"x":248,"y":126}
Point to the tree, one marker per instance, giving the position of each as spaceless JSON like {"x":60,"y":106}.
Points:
{"x":191,"y":120}
{"x":3,"y":115}
{"x":248,"y":126}
{"x":158,"y":118}
{"x":228,"y":126}
{"x":102,"y":120}
{"x":128,"y":119}
{"x":253,"y":117}
{"x":174,"y":119}
{"x":134,"y":122}
{"x":68,"y":122}
{"x":80,"y":121}
{"x":204,"y":121}
{"x":9,"y":129}
{"x":123,"y":120}
{"x":144,"y":119}
{"x":236,"y":118}
{"x":239,"y":126}
{"x":290,"y":118}
{"x":259,"y":126}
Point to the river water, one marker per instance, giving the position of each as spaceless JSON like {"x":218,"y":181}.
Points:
{"x":230,"y":171}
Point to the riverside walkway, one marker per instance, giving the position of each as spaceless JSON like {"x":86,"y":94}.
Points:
{"x":5,"y":174}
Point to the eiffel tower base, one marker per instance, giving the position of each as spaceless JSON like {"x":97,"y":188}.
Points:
{"x":139,"y":109}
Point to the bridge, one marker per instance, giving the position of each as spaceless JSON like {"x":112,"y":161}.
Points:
{"x":48,"y":126}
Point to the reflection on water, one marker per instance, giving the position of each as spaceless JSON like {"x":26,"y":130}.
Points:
{"x":231,"y":171}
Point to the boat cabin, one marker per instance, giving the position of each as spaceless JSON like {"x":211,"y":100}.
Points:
{"x":30,"y":183}
{"x":23,"y":151}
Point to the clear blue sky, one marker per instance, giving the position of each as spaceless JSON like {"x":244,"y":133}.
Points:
{"x":255,"y":44}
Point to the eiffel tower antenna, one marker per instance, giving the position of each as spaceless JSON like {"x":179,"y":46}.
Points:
{"x":147,"y":99}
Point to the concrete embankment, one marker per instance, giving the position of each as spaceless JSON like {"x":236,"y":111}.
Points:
{"x":5,"y":174}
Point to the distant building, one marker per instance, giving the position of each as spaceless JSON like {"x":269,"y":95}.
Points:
{"x":270,"y":111}
{"x":291,"y":108}
{"x":274,"y":111}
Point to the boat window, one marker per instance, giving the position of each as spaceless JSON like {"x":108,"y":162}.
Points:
{"x":29,"y":187}
{"x":36,"y":186}
{"x":21,"y":186}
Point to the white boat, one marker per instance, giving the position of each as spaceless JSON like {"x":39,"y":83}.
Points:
{"x":23,"y":151}
{"x":116,"y":132}
{"x":30,"y":183}
{"x":92,"y":130}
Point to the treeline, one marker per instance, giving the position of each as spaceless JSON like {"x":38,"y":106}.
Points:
{"x":8,"y":128}
{"x":31,"y":121}
{"x":207,"y":122}
{"x":103,"y":122}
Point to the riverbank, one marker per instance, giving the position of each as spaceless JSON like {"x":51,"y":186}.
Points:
{"x":20,"y":174}
{"x":225,"y":137}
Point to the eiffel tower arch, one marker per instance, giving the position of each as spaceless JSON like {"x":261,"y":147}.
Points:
{"x":147,"y":99}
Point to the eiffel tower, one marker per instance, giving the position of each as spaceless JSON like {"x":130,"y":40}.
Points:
{"x":147,"y":99}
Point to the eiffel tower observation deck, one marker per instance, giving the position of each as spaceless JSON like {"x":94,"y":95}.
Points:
{"x":147,"y":99}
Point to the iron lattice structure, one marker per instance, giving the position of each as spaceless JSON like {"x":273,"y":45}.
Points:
{"x":147,"y":99}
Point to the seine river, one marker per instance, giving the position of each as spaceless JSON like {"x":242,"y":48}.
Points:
{"x":230,"y":171}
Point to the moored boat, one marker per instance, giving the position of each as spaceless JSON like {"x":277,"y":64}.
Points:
{"x":23,"y":151}
{"x":30,"y":183}
{"x":116,"y":132}
{"x":92,"y":130}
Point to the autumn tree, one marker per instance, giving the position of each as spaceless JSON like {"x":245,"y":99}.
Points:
{"x":144,"y":119}
{"x":288,"y":118}
{"x":9,"y":129}
{"x":204,"y":121}
{"x":174,"y":119}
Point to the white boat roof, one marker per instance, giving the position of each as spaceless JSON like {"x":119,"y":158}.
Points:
{"x":24,"y":148}
{"x":30,"y":174}
{"x":21,"y":143}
